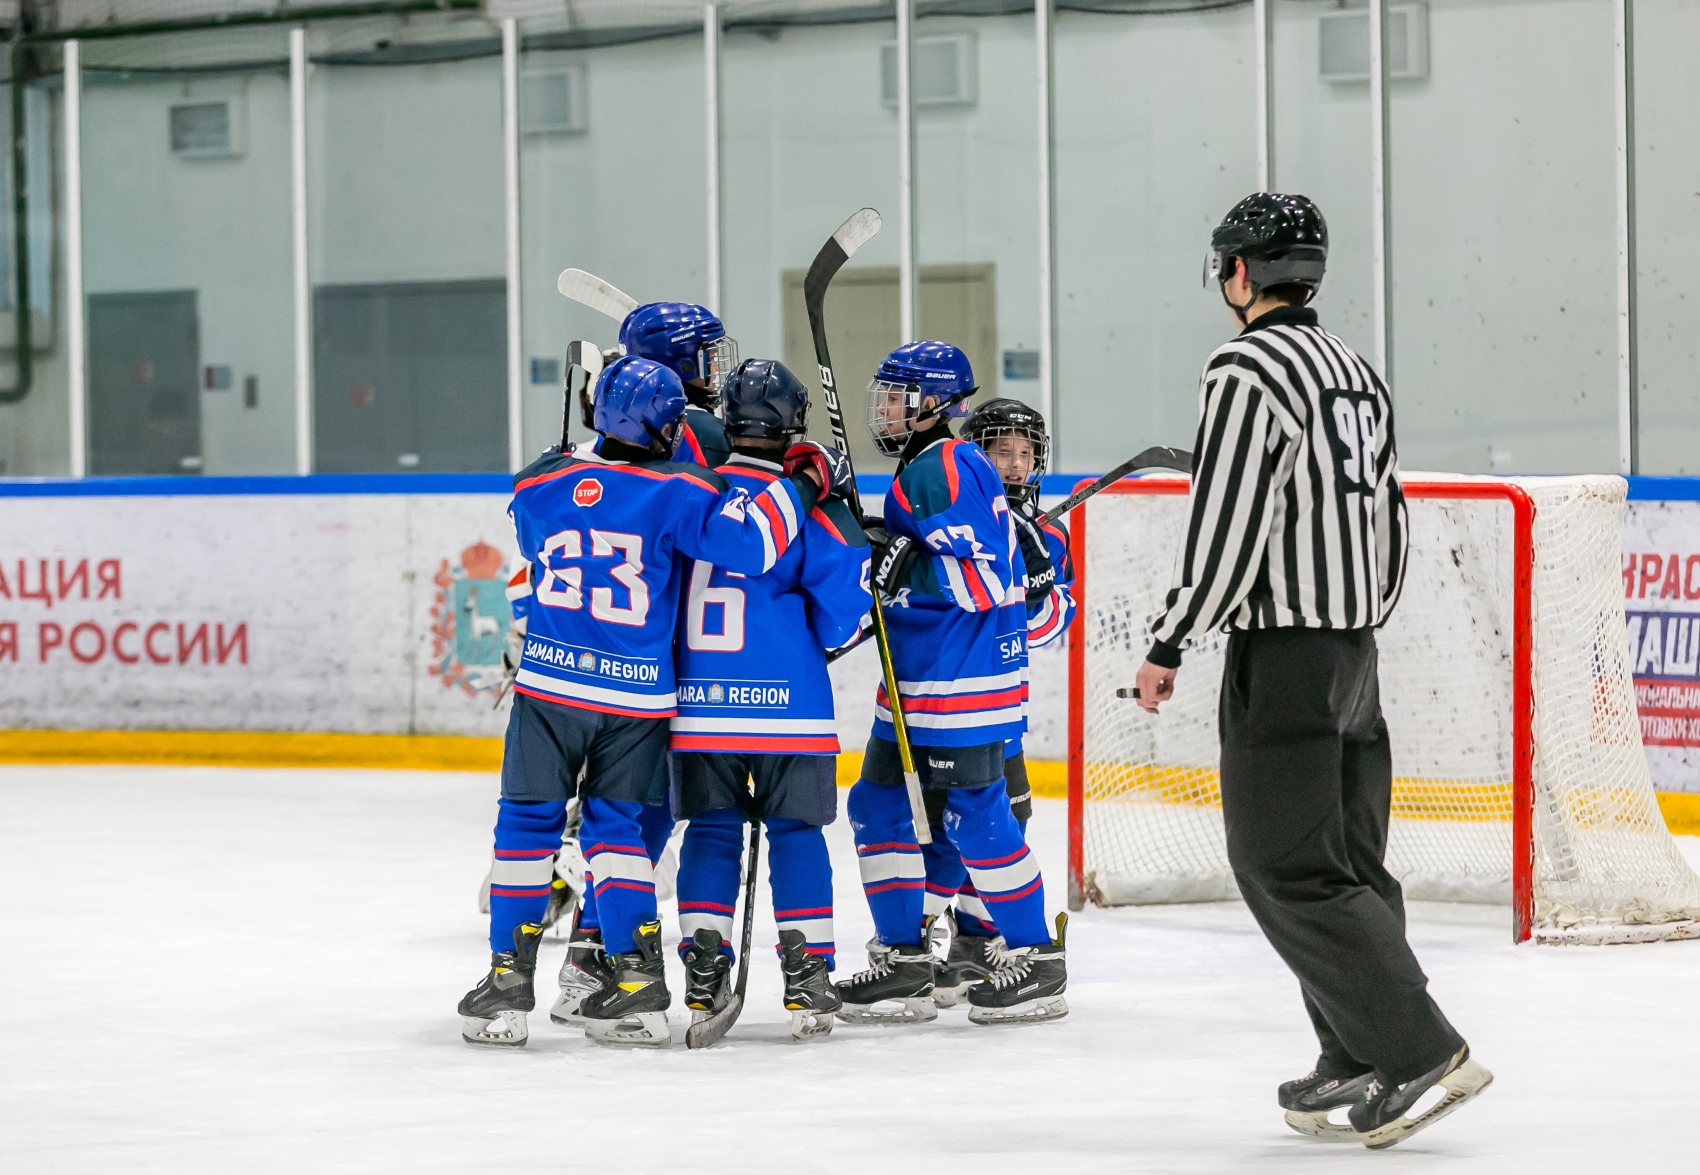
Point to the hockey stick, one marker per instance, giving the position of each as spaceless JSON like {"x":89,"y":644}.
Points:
{"x":850,"y":236}
{"x":700,"y":1036}
{"x":589,"y":290}
{"x":1156,"y":457}
{"x":581,"y":356}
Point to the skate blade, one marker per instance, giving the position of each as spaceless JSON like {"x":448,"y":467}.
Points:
{"x":639,"y":1030}
{"x":1462,"y":1084}
{"x":918,"y":1009}
{"x":1315,"y":1124}
{"x":482,"y":1030}
{"x":1027,"y":1012}
{"x":807,"y":1023}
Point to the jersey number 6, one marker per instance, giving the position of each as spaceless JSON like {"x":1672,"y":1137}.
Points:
{"x":730,"y":638}
{"x":563,"y":587}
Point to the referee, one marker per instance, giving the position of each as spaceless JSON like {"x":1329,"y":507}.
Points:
{"x":1296,"y":545}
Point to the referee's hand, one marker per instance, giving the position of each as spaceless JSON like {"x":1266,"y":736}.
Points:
{"x":1156,"y":685}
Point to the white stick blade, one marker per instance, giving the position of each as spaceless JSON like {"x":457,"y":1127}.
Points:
{"x":589,"y":290}
{"x":857,"y":231}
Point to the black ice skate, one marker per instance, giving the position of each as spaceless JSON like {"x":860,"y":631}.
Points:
{"x":631,"y":1008}
{"x":708,"y":976}
{"x":493,"y":1013}
{"x":1385,"y":1114}
{"x":972,"y":958}
{"x":810,"y":996}
{"x":1026,"y":987}
{"x":1309,"y":1099}
{"x":583,"y":973}
{"x":897,"y":987}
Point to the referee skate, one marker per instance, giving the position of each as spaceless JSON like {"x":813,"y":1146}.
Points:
{"x":966,"y":586}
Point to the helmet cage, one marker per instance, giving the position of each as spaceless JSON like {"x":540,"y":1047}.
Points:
{"x":1020,"y":491}
{"x":717,"y":359}
{"x":891,"y":432}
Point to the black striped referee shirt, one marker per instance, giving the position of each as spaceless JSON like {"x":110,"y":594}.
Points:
{"x":1296,"y":518}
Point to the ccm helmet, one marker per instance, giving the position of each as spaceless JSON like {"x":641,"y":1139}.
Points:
{"x":683,"y":337}
{"x":1014,"y":437}
{"x":913,"y":373}
{"x":638,"y":401}
{"x":1282,"y":239}
{"x":764,"y":399}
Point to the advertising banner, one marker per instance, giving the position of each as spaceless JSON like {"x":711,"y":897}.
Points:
{"x":1661,"y":600}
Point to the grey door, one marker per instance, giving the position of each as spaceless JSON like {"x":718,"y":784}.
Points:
{"x":144,"y":388}
{"x":410,"y":376}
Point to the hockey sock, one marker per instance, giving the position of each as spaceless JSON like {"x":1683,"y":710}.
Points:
{"x":624,"y":875}
{"x":893,"y":873}
{"x":710,"y":861}
{"x":971,"y":914}
{"x":800,"y":873}
{"x":1004,"y":872}
{"x":528,"y":835}
{"x":655,"y":824}
{"x":945,"y":872}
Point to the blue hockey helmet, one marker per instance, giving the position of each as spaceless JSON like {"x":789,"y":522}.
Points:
{"x":683,"y":337}
{"x":638,"y":401}
{"x":764,"y":399}
{"x":914,"y":373}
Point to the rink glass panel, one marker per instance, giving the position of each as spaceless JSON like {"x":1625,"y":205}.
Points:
{"x":186,"y":254}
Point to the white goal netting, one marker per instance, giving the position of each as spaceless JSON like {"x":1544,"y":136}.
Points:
{"x":1605,"y":868}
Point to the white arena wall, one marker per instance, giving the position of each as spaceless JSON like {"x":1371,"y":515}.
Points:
{"x":251,"y":605}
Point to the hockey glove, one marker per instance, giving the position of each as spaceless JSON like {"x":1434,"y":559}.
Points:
{"x":831,"y":466}
{"x":894,"y":558}
{"x":1041,"y":573}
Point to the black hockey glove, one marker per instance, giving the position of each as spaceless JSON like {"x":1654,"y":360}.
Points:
{"x":1041,"y":573}
{"x":831,"y":466}
{"x":894,"y":557}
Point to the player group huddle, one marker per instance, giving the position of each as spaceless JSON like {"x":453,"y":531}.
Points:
{"x":687,"y":574}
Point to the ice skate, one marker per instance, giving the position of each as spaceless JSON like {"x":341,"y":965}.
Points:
{"x":972,"y":957}
{"x":631,"y":1007}
{"x":583,"y":973}
{"x":810,"y":996}
{"x":896,"y":989}
{"x":1026,"y":987}
{"x":1309,"y":1100}
{"x":493,"y":1013}
{"x":708,"y":976}
{"x":1385,"y":1114}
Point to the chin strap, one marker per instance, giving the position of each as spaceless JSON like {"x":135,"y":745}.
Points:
{"x":1240,"y":310}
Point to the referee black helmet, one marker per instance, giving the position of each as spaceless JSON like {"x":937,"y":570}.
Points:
{"x":1282,"y":239}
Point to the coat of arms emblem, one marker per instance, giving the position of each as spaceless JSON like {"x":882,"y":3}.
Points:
{"x":469,"y":621}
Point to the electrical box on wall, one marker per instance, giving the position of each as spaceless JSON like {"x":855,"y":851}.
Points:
{"x":210,"y":127}
{"x":552,"y":101}
{"x":946,"y":71}
{"x":1343,"y":43}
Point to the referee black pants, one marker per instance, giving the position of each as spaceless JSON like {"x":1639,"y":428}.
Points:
{"x":1307,"y":780}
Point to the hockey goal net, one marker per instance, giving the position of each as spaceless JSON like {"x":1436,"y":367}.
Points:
{"x":1519,"y":776}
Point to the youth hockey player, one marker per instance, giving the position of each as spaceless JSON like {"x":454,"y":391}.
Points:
{"x":948,"y":562}
{"x":755,"y":704}
{"x":608,"y":529}
{"x":1015,"y":440}
{"x":694,"y":344}
{"x":1296,"y":546}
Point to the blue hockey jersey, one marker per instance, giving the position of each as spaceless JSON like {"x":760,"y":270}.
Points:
{"x":751,"y":667}
{"x":702,"y":439}
{"x":959,"y":630}
{"x":607,"y":544}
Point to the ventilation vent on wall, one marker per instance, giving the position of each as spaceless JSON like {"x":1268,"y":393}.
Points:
{"x":552,"y":102}
{"x":208,"y":128}
{"x":946,"y":71}
{"x":1344,"y":43}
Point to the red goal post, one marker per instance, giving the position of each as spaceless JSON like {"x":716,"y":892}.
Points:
{"x":1521,"y":699}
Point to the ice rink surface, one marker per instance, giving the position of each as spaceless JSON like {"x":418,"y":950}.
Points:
{"x":256,"y":971}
